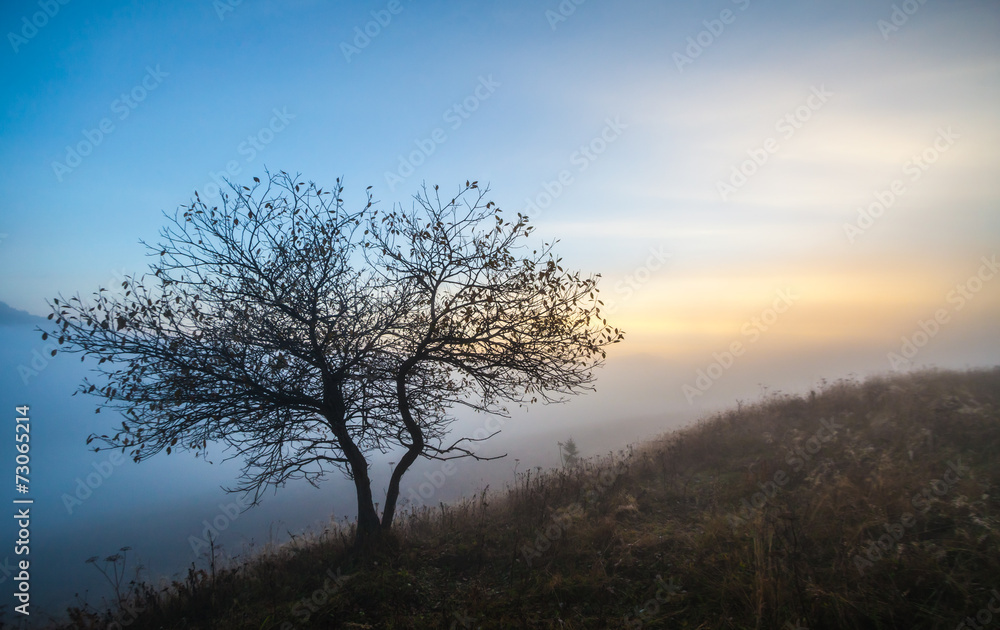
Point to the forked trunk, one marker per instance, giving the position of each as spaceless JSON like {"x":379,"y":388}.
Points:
{"x":369,"y":525}
{"x":416,"y":447}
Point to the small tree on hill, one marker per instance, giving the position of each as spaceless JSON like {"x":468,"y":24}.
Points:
{"x":303,"y":336}
{"x":570,"y":453}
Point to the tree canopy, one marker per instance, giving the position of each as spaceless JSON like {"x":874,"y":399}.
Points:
{"x":303,"y":336}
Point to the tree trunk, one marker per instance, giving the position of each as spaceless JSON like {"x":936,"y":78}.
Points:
{"x":368,"y":521}
{"x":416,"y":447}
{"x":392,"y":494}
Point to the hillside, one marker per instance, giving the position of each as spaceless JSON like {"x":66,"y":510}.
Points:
{"x":863,"y":505}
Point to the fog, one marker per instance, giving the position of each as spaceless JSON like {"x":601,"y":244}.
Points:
{"x":92,"y":504}
{"x":776,"y":195}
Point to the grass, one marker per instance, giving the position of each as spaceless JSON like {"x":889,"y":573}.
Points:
{"x":862,"y":505}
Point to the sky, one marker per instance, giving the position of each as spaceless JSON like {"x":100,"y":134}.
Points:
{"x":776,"y":195}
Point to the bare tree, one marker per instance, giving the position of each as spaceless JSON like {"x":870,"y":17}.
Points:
{"x":302,"y":337}
{"x":504,"y":323}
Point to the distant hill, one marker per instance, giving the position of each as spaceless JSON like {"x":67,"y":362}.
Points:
{"x":864,"y":505}
{"x":10,"y":316}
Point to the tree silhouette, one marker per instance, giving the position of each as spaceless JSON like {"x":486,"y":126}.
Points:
{"x":570,"y":453}
{"x":302,"y":336}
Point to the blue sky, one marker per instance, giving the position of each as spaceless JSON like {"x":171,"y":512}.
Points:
{"x":707,"y":158}
{"x":702,"y":157}
{"x":218,"y":76}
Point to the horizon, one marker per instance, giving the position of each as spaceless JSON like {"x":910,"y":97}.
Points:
{"x":780,"y":190}
{"x":857,"y":177}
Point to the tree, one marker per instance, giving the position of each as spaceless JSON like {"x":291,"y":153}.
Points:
{"x":302,"y":336}
{"x":570,"y":453}
{"x":499,"y":325}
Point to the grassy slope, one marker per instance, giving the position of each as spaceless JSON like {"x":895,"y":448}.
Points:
{"x":659,"y":536}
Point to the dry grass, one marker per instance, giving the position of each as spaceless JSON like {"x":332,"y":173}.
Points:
{"x":690,"y":530}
